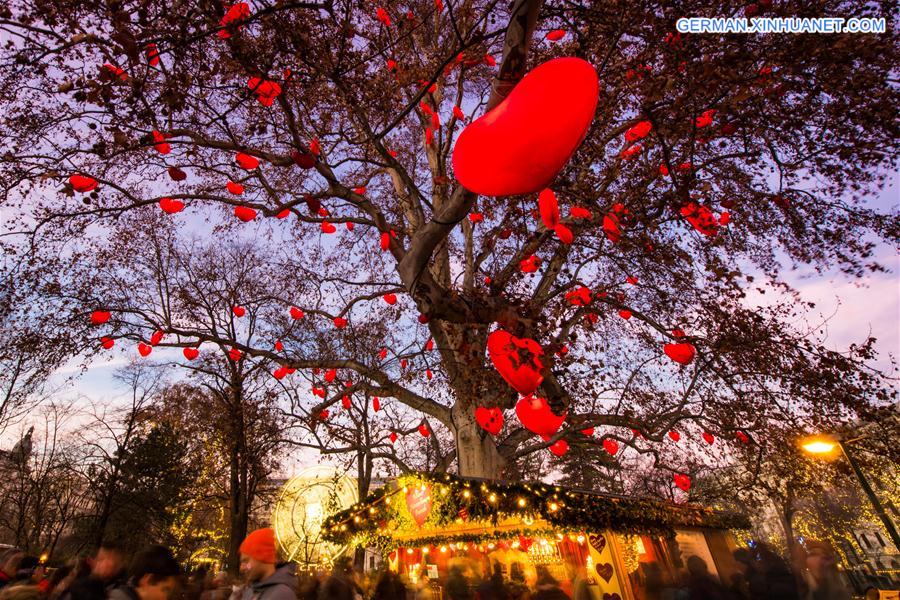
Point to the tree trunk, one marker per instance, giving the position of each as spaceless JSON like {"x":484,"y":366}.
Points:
{"x":476,"y":453}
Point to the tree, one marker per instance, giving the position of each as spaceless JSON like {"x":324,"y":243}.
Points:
{"x":41,"y":494}
{"x":785,"y":134}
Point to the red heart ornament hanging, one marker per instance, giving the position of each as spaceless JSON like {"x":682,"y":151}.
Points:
{"x":418,"y":501}
{"x":674,"y":435}
{"x":107,"y":343}
{"x":611,"y":446}
{"x":144,"y":349}
{"x":708,"y":438}
{"x":682,"y":481}
{"x":597,"y":542}
{"x":191,"y":353}
{"x":519,"y":146}
{"x":239,"y":311}
{"x":170,"y":206}
{"x":559,"y":447}
{"x":82,"y":183}
{"x":296,"y":313}
{"x":536,"y":416}
{"x":99,"y":317}
{"x":393,"y":436}
{"x":490,"y":419}
{"x":244,"y":213}
{"x":517,"y":360}
{"x":376,"y":404}
{"x":682,"y":353}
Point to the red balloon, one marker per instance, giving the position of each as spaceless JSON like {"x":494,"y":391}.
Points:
{"x":245,"y":161}
{"x":296,"y":313}
{"x":390,"y":299}
{"x":521,"y":145}
{"x":99,"y":317}
{"x":611,"y":446}
{"x":490,"y":419}
{"x":170,"y":206}
{"x":108,"y":343}
{"x":536,"y":416}
{"x":191,"y":353}
{"x":235,"y":188}
{"x":549,"y":208}
{"x":682,"y":481}
{"x":144,"y":349}
{"x":517,"y":360}
{"x":682,"y":353}
{"x":82,"y":183}
{"x":559,"y":447}
{"x":239,"y":311}
{"x":244,"y":213}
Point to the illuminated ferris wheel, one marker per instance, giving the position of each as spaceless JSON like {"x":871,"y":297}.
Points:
{"x":303,"y":503}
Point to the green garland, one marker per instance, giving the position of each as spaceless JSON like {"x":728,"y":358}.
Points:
{"x":489,"y":502}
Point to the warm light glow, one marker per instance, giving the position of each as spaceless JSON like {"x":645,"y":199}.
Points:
{"x":443,"y":549}
{"x":492,"y":498}
{"x":554,"y":507}
{"x":818,"y":445}
{"x":466,"y":494}
{"x":521,"y":502}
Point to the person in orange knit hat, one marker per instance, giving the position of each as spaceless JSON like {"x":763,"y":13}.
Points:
{"x":266,"y":578}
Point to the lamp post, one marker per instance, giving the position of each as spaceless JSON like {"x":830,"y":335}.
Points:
{"x":824,"y":445}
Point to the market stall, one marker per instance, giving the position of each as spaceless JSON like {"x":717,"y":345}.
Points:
{"x":425,"y":524}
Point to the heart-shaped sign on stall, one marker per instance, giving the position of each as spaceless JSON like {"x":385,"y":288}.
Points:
{"x":418,"y":501}
{"x":605,"y":571}
{"x":521,"y":144}
{"x":597,"y":542}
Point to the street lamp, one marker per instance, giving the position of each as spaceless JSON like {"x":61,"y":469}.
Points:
{"x":822,"y":445}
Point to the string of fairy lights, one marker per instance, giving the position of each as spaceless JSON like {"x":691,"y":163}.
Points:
{"x":457,"y":500}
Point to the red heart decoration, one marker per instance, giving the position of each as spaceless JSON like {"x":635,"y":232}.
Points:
{"x":743,"y":437}
{"x":525,"y":542}
{"x":144,"y":349}
{"x":99,"y":317}
{"x":245,"y":161}
{"x":588,"y":432}
{"x":304,"y":160}
{"x":345,"y":402}
{"x":638,"y":131}
{"x":517,"y":360}
{"x":423,"y":430}
{"x":323,"y":415}
{"x":156,"y":337}
{"x":191,"y":353}
{"x":239,"y":311}
{"x":170,"y":206}
{"x":559,"y":447}
{"x":296,"y":313}
{"x":564,"y":234}
{"x":682,"y":353}
{"x":613,"y":596}
{"x":605,"y":571}
{"x":234,"y":354}
{"x":418,"y":501}
{"x":549,"y":208}
{"x":674,"y":435}
{"x":235,"y":188}
{"x":611,"y":446}
{"x":177,"y":174}
{"x":556,"y":35}
{"x":160,"y":144}
{"x":327,"y":227}
{"x":340,"y":322}
{"x":279,"y":373}
{"x":682,"y":481}
{"x":107,"y":343}
{"x":376,"y":404}
{"x":521,"y":145}
{"x":330,"y":375}
{"x":279,"y":346}
{"x":625,"y":314}
{"x":390,"y":299}
{"x":708,"y":438}
{"x":580,"y":296}
{"x":152,"y":54}
{"x":490,"y":419}
{"x":393,"y":436}
{"x":82,"y":183}
{"x":536,"y":416}
{"x":244,"y":213}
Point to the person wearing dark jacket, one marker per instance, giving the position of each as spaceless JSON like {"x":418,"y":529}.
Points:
{"x":153,"y":575}
{"x":267,"y":579}
{"x":107,"y":572}
{"x":547,"y":587}
{"x":341,"y":585}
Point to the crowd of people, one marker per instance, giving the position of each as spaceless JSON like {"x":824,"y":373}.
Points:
{"x":155,"y":574}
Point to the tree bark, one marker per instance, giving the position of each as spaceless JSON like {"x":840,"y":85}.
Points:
{"x":476,"y":452}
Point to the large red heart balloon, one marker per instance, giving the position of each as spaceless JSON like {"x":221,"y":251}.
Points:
{"x":536,"y":416}
{"x":517,"y":360}
{"x":490,"y":419}
{"x":521,"y":145}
